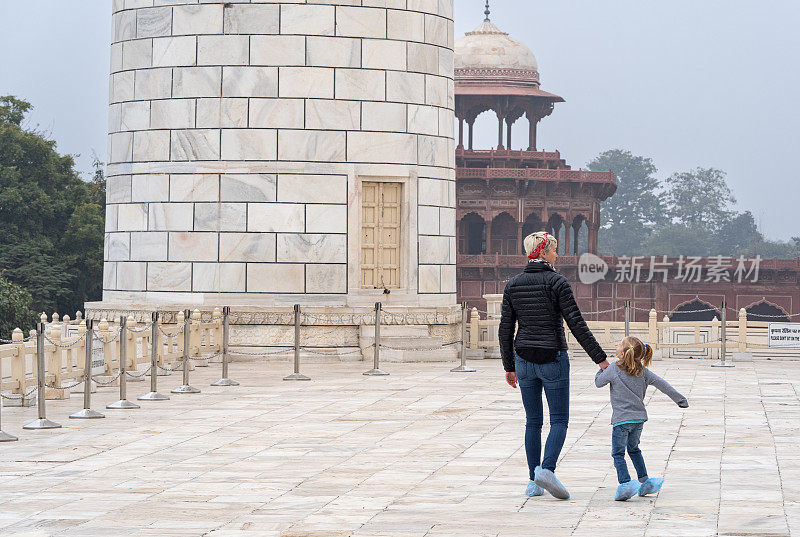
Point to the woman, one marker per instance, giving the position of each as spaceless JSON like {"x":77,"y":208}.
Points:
{"x":536,"y":301}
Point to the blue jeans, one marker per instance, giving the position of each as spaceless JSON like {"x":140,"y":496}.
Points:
{"x":554,"y":378}
{"x":626,"y":436}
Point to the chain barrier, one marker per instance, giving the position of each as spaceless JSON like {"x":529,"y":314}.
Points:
{"x":139,"y":375}
{"x":274,"y":353}
{"x":138,"y":330}
{"x":353,"y":318}
{"x":113,"y":338}
{"x":210,"y":356}
{"x":168,"y":369}
{"x":767,"y":315}
{"x":23,"y":340}
{"x":603,"y":311}
{"x":323,"y":353}
{"x":68,"y":387}
{"x":65,"y":345}
{"x":416,"y":349}
{"x":17,"y":397}
{"x":173,"y":335}
{"x":108,"y":382}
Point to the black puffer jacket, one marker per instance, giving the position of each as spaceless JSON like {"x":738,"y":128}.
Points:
{"x":537,"y":300}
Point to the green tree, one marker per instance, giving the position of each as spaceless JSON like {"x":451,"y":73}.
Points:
{"x":699,"y":198}
{"x":16,"y":309}
{"x":51,"y":221}
{"x":675,"y":240}
{"x":737,"y":236}
{"x":631,"y":214}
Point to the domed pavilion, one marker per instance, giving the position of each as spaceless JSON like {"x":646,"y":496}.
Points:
{"x":503,"y":194}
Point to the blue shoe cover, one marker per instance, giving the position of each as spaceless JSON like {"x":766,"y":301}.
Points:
{"x":626,"y":491}
{"x":651,"y":486}
{"x":548,"y":481}
{"x":534,"y":490}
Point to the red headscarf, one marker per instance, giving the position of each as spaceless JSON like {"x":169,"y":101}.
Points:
{"x":538,"y":250}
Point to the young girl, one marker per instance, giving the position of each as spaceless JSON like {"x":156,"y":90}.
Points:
{"x":629,"y":379}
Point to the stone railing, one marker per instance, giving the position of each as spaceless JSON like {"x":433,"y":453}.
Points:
{"x":65,"y":349}
{"x":683,"y":339}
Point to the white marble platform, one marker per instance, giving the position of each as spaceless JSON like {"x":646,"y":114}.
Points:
{"x":422,"y":452}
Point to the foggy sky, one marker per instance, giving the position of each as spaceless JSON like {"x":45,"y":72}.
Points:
{"x":689,"y":83}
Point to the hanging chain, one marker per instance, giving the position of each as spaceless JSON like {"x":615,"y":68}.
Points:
{"x":17,"y":397}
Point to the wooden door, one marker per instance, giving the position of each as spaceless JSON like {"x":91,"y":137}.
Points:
{"x":380,"y":235}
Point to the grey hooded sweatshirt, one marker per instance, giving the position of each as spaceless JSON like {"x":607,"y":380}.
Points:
{"x":627,"y":392}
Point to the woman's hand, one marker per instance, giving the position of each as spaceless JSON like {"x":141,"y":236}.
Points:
{"x":511,"y":378}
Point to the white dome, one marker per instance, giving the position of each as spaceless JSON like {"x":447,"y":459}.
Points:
{"x":487,"y":47}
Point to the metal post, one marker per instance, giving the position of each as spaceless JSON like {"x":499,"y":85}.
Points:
{"x":153,"y":394}
{"x":186,"y":387}
{"x":87,"y":412}
{"x":123,"y":402}
{"x":42,"y":422}
{"x":723,"y":362}
{"x":627,"y":318}
{"x":376,"y":370}
{"x":225,"y":381}
{"x":463,"y":367}
{"x":296,"y":375}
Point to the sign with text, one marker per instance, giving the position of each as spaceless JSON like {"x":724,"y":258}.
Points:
{"x":784,"y":335}
{"x":688,"y":269}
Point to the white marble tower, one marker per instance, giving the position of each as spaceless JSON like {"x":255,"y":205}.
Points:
{"x":266,"y":153}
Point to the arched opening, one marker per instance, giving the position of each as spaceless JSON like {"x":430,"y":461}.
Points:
{"x":532,"y":224}
{"x":766,"y":312}
{"x":504,"y":235}
{"x":472,"y":235}
{"x":556,"y":228}
{"x":696,"y":310}
{"x":580,"y":235}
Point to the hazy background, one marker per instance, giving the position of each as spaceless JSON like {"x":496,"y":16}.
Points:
{"x":689,"y":83}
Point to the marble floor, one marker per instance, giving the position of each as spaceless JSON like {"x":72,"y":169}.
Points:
{"x":422,"y":452}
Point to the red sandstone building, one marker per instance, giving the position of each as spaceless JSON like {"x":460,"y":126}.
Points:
{"x":503,"y":194}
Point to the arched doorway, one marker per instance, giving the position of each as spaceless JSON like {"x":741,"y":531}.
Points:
{"x":696,"y":310}
{"x":504,"y":235}
{"x":472,"y":235}
{"x":556,"y":228}
{"x":766,"y":312}
{"x":580,"y":235}
{"x":532,"y":224}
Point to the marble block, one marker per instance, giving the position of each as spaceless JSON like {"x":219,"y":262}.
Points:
{"x":277,"y":50}
{"x":120,"y":147}
{"x":275,"y":278}
{"x":117,"y":246}
{"x":429,"y":279}
{"x":333,"y":52}
{"x":152,"y":84}
{"x":222,"y":113}
{"x":362,"y":84}
{"x":219,"y":277}
{"x":250,"y":81}
{"x":360,"y":22}
{"x":326,"y":278}
{"x":175,"y":51}
{"x":135,"y":116}
{"x":435,"y":250}
{"x":332,"y":114}
{"x":196,"y":82}
{"x":384,"y":54}
{"x":276,"y":217}
{"x":132,"y":217}
{"x":312,"y":188}
{"x":171,"y":217}
{"x":405,"y":25}
{"x":137,"y":54}
{"x":250,"y":144}
{"x":428,"y":221}
{"x":195,"y":187}
{"x":118,"y":189}
{"x":193,"y":246}
{"x":220,"y":217}
{"x":132,"y":276}
{"x":197,"y":19}
{"x":326,"y":218}
{"x":405,"y":87}
{"x":148,"y":246}
{"x":276,"y":113}
{"x":251,"y":19}
{"x":381,"y":147}
{"x":306,"y":82}
{"x":308,"y":19}
{"x":391,"y":117}
{"x":223,"y":50}
{"x":169,"y":276}
{"x":423,"y":119}
{"x":247,"y":247}
{"x":308,"y":145}
{"x":248,"y":187}
{"x":311,"y":248}
{"x":194,"y":144}
{"x":153,"y":22}
{"x":172,"y":114}
{"x":150,"y":187}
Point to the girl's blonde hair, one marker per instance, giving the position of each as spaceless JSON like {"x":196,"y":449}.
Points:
{"x":533,"y":240}
{"x":635,"y":356}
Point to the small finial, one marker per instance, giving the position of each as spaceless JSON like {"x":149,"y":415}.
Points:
{"x":487,"y":12}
